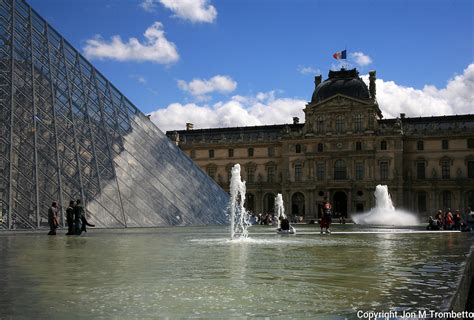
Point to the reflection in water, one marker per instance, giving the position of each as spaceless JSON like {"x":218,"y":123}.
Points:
{"x":200,"y":272}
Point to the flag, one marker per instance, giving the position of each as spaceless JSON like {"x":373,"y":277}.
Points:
{"x":340,"y":55}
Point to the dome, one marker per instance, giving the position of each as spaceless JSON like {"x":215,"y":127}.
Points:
{"x":346,"y":82}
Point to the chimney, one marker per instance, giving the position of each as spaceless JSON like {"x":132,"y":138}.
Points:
{"x":296,"y":120}
{"x":317,"y":80}
{"x":189,"y":126}
{"x":372,"y":78}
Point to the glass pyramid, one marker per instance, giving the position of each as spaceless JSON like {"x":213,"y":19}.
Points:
{"x":67,"y":133}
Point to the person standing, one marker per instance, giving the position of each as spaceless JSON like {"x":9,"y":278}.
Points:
{"x":53,"y":218}
{"x":78,"y":212}
{"x":448,"y":220}
{"x":326,"y":216}
{"x":70,"y":218}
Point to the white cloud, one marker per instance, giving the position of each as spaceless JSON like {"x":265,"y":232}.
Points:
{"x":265,"y":108}
{"x":200,"y":87}
{"x":192,"y":10}
{"x":456,"y":98}
{"x":308,"y":70}
{"x":260,"y":109}
{"x":156,"y":48}
{"x":361,"y":59}
{"x":148,"y":5}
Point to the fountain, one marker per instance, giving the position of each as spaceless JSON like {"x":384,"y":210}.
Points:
{"x":239,"y":217}
{"x":279,"y":209}
{"x":384,"y":212}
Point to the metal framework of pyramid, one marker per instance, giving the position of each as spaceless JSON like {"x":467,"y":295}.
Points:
{"x":67,"y":133}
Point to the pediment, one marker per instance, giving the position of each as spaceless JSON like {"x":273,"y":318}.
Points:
{"x":339,"y":100}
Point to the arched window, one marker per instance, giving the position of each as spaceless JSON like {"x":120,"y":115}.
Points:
{"x":320,"y":147}
{"x":249,"y":202}
{"x":297,"y":204}
{"x":320,"y":125}
{"x":271,"y":174}
{"x":298,"y":172}
{"x":340,"y":170}
{"x":421,"y":199}
{"x":339,"y":124}
{"x":358,"y":122}
{"x":445,"y":169}
{"x":446,"y":199}
{"x":211,"y":171}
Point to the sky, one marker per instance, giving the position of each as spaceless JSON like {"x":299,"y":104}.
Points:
{"x":221,"y":63}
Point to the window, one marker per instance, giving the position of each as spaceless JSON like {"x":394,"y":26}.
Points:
{"x":271,"y":151}
{"x":383,"y":145}
{"x":231,"y":153}
{"x":339,"y":170}
{"x":298,"y":148}
{"x":445,"y":144}
{"x":420,"y":145}
{"x":421,"y":201}
{"x":445,"y":169}
{"x":470,"y":169}
{"x":250,"y":152}
{"x":271,"y":174}
{"x":211,"y":172}
{"x":420,"y":170}
{"x":339,"y":124}
{"x":358,"y":123}
{"x":470,"y":143}
{"x":193,"y":154}
{"x":358,"y":145}
{"x":229,"y":173}
{"x":320,"y":125}
{"x":320,"y":171}
{"x":250,"y":174}
{"x":298,"y":172}
{"x":384,"y":170}
{"x":359,"y":171}
{"x":320,"y":147}
{"x":446,"y":199}
{"x":211,"y":153}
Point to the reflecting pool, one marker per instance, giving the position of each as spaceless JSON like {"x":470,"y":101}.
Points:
{"x":197,"y":272}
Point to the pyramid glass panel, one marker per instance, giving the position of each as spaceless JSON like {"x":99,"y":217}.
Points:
{"x":67,"y":133}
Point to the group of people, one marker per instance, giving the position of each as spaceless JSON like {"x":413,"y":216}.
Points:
{"x":75,"y":218}
{"x":452,"y":221}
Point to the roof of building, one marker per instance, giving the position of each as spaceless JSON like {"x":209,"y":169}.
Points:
{"x":416,"y":125}
{"x":346,"y":82}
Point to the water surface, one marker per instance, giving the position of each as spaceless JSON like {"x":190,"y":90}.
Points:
{"x":198,"y":273}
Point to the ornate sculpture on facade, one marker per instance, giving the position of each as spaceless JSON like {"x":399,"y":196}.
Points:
{"x":372,"y":79}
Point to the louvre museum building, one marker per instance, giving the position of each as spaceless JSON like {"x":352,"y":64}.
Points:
{"x":343,"y":150}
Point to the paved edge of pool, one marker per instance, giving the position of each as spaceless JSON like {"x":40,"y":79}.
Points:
{"x":457,"y":302}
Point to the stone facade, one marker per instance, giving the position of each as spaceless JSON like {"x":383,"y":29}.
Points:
{"x":343,"y":150}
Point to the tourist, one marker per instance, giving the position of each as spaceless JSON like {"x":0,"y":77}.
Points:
{"x":70,"y":218}
{"x":284,"y":225}
{"x":53,"y":218}
{"x":457,"y":220}
{"x":78,"y":213}
{"x":439,"y":218}
{"x":326,"y":217}
{"x":448,"y":220}
{"x":469,"y":218}
{"x":433,"y":224}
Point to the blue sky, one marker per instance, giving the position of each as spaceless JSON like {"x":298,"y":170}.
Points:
{"x":259,"y":57}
